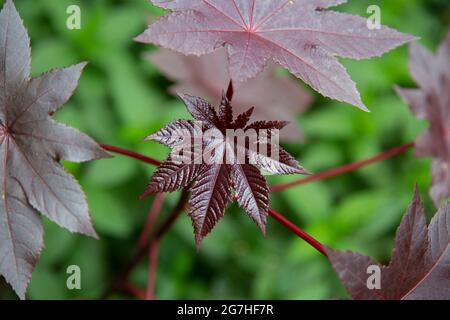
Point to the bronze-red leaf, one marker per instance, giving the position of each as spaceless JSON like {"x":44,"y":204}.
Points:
{"x":219,"y":173}
{"x":432,"y":102}
{"x":420,"y":262}
{"x":31,"y":146}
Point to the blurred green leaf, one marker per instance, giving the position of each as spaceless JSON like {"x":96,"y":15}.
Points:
{"x":110,"y":172}
{"x":110,"y":216}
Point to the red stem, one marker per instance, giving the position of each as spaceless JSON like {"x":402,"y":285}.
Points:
{"x":283,"y":186}
{"x":153,"y":249}
{"x":152,"y":267}
{"x":153,"y":213}
{"x":277,"y":187}
{"x":131,"y":154}
{"x":344,"y":169}
{"x":302,"y":234}
{"x":141,"y":251}
{"x":134,"y":291}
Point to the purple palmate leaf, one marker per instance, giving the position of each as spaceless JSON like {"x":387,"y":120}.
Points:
{"x":214,"y":184}
{"x":420,"y":262}
{"x":31,"y":145}
{"x":432,"y":102}
{"x":301,"y":35}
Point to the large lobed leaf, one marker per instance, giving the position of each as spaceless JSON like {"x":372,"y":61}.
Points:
{"x":218,"y":181}
{"x":301,"y":35}
{"x":432,"y":102}
{"x":420,"y":262}
{"x":31,"y":146}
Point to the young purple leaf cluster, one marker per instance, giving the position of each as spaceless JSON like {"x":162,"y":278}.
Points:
{"x":214,"y":185}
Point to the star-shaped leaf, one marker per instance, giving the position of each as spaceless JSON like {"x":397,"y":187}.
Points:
{"x":222,"y":169}
{"x":301,"y":35}
{"x":420,"y":262}
{"x":274,"y":97}
{"x":432,"y":102}
{"x":31,"y":146}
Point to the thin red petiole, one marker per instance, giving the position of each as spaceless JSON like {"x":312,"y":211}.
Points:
{"x":153,"y":213}
{"x":344,"y":169}
{"x":153,"y":248}
{"x":299,"y":232}
{"x":134,"y":291}
{"x":153,"y":251}
{"x":282,"y":186}
{"x":131,"y":154}
{"x":275,"y":188}
{"x":140,"y":252}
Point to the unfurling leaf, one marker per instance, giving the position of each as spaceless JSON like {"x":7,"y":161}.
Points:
{"x":420,"y":262}
{"x":301,"y":35}
{"x":432,"y":102}
{"x":228,"y":173}
{"x":31,"y":146}
{"x":274,"y":97}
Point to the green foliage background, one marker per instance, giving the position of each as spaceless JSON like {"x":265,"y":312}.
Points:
{"x":122,"y":98}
